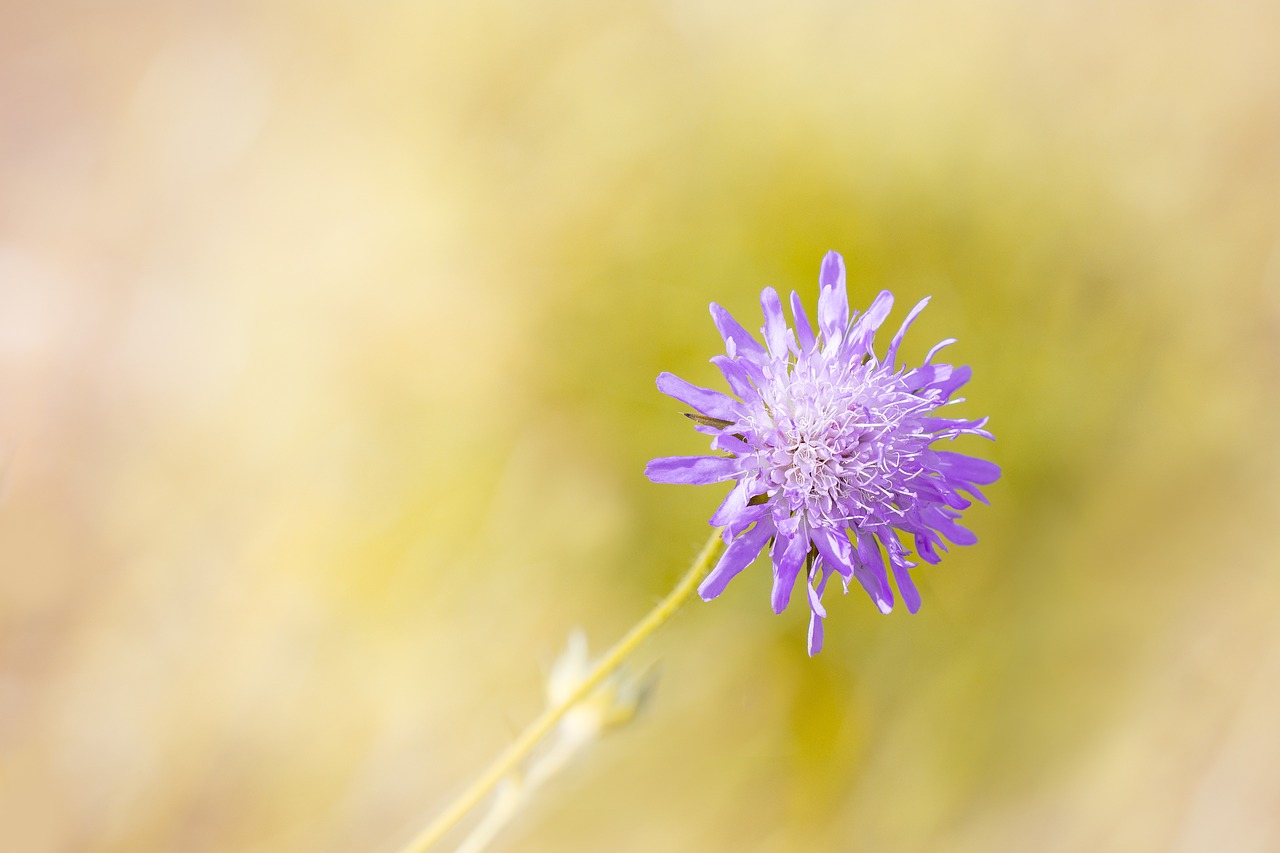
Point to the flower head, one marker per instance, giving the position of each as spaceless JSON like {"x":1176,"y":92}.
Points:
{"x":830,"y":450}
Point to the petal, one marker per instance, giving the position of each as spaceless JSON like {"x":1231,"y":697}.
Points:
{"x":932,"y":540}
{"x":864,"y":331}
{"x":815,"y":634}
{"x":735,"y":507}
{"x":691,"y":470}
{"x":744,"y":520}
{"x":788,"y":557}
{"x":737,"y":339}
{"x":942,"y":489}
{"x":738,"y":378}
{"x":730,"y":444}
{"x":924,"y":547}
{"x":835,"y":549}
{"x":833,"y":296}
{"x":951,"y":427}
{"x":970,"y":469}
{"x":936,"y":348}
{"x":892,"y":353}
{"x":901,"y":571}
{"x":815,"y":601}
{"x":736,"y":557}
{"x":733,"y":504}
{"x":871,"y":573}
{"x":775,"y":323}
{"x":927,"y":375}
{"x":959,"y":376}
{"x":957,"y":534}
{"x":906,"y":587}
{"x":706,"y":401}
{"x":815,"y":620}
{"x":754,"y":371}
{"x":804,"y":330}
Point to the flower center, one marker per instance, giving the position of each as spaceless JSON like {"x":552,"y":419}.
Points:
{"x":810,"y":464}
{"x":835,"y":444}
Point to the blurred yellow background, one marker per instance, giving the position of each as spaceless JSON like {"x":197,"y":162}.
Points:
{"x":328,"y":334}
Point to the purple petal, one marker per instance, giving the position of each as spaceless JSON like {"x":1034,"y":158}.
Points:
{"x":833,"y":297}
{"x":957,"y":534}
{"x":835,"y":548}
{"x":968,"y":468}
{"x":708,"y":402}
{"x":871,"y":573}
{"x":901,"y":571}
{"x":775,"y":323}
{"x":735,"y":509}
{"x":815,"y":634}
{"x":736,"y":557}
{"x":951,"y":427}
{"x":804,"y":330}
{"x":815,"y":601}
{"x":864,"y":331}
{"x":691,"y":470}
{"x":730,"y":444}
{"x":959,"y":376}
{"x":754,"y":371}
{"x":937,"y":348}
{"x":927,"y":375}
{"x":788,"y":557}
{"x":924,"y":547}
{"x":738,"y":378}
{"x":907,"y":587}
{"x":737,"y":339}
{"x":733,"y":504}
{"x":736,"y":527}
{"x":942,"y":489}
{"x":815,"y":618}
{"x":932,"y":540}
{"x":906,"y":324}
{"x":748,"y":375}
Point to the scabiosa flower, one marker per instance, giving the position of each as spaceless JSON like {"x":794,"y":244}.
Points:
{"x":830,"y":450}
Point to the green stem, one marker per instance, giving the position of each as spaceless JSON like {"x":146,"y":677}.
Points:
{"x":536,"y":730}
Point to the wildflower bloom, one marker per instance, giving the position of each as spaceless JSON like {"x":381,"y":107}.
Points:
{"x":825,"y":440}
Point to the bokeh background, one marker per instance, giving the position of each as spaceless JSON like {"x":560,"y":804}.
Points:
{"x":327,"y":342}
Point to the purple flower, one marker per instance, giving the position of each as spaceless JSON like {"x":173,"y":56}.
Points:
{"x":824,"y":439}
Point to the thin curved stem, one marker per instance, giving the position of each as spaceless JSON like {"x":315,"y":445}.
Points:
{"x":513,"y":754}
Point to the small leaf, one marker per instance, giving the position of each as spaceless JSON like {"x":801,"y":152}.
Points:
{"x":706,"y":421}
